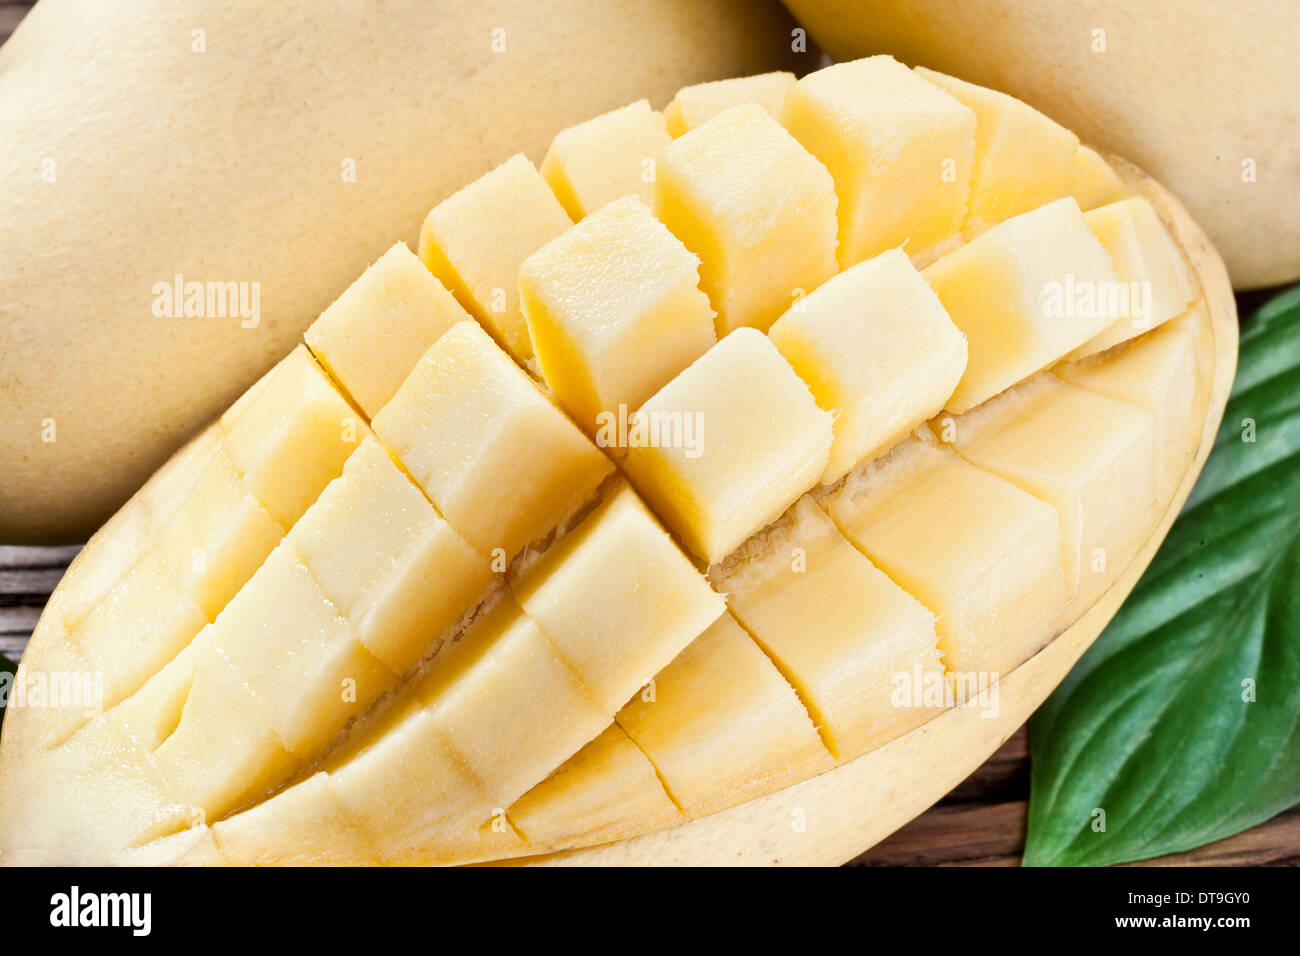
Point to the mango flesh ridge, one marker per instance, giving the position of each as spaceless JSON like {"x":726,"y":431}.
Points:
{"x":589,"y":768}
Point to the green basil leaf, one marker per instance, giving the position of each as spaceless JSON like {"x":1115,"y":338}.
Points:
{"x":1181,"y":724}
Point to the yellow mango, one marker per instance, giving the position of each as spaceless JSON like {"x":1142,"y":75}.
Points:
{"x":900,"y":150}
{"x":758,"y":210}
{"x":598,"y":161}
{"x":475,"y":240}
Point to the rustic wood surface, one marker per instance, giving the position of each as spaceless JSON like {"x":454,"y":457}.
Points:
{"x":981,"y":822}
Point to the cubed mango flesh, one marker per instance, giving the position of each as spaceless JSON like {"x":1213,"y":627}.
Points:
{"x":292,"y":440}
{"x":1095,"y":182}
{"x":504,"y":656}
{"x":1022,"y":158}
{"x":981,"y":554}
{"x":212,"y":737}
{"x":900,"y":150}
{"x":598,"y":161}
{"x":878,"y":350}
{"x":618,"y":598}
{"x":1087,"y":454}
{"x":475,"y":239}
{"x":861,"y":651}
{"x":372,"y":335}
{"x":722,"y":723}
{"x":1163,"y":373}
{"x":756,"y":207}
{"x":270,"y":833}
{"x":607,"y":790}
{"x":391,"y":564}
{"x":499,"y":461}
{"x":614,"y":311}
{"x":296,"y":652}
{"x":757,"y":442}
{"x":1026,"y":293}
{"x":1149,"y":290}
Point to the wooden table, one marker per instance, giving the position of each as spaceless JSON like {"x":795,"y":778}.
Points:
{"x":980,"y":823}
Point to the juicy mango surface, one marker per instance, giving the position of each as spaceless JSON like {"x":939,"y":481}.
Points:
{"x":701,"y":509}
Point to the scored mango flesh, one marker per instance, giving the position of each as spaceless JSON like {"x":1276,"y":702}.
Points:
{"x":729,"y":446}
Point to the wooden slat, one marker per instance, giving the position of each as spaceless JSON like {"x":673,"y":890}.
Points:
{"x":10,"y":14}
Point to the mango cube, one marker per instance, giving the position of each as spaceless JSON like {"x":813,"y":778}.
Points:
{"x":143,"y":622}
{"x":293,"y":648}
{"x":877,"y":349}
{"x":104,"y":770}
{"x":271,"y":833}
{"x":1160,"y":372}
{"x":218,"y":538}
{"x":900,"y":150}
{"x":695,"y":105}
{"x":1149,"y":291}
{"x":759,"y":441}
{"x":552,"y":713}
{"x":135,"y":526}
{"x":212,"y":737}
{"x":1089,"y":455}
{"x":1095,"y":183}
{"x":498,"y":460}
{"x":614,"y":310}
{"x":1026,"y":293}
{"x":605,"y":791}
{"x":292,"y":440}
{"x":979,"y":553}
{"x":598,"y":161}
{"x":723,"y":725}
{"x":1022,"y":158}
{"x":476,"y":238}
{"x":618,"y":599}
{"x":409,"y":794}
{"x":862,"y":652}
{"x":758,"y":210}
{"x":370,"y":338}
{"x":395,"y":568}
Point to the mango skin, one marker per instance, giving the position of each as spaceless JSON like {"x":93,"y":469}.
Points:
{"x":228,"y":165}
{"x":1188,"y":92}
